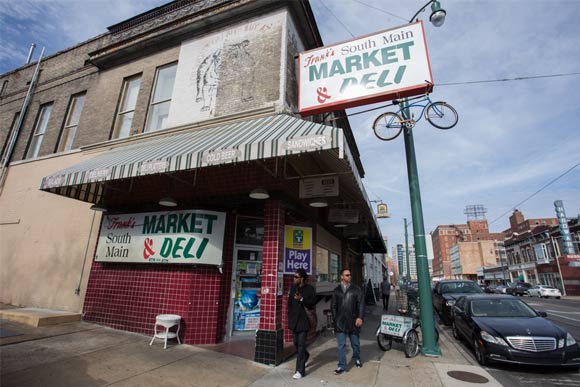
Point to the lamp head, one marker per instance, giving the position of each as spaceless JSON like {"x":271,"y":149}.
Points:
{"x":437,"y":17}
{"x":167,"y":201}
{"x":259,"y":194}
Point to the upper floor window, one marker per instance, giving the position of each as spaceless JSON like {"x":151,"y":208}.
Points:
{"x":39,"y":129}
{"x":126,"y":108}
{"x":72,"y":122}
{"x":161,"y":98}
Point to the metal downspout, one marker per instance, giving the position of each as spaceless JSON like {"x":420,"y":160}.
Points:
{"x":16,"y":132}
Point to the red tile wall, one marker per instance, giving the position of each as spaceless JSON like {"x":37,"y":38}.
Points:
{"x":271,"y":303}
{"x":129,"y":296}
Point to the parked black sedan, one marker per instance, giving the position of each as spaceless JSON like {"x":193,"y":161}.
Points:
{"x":506,"y":329}
{"x":446,"y":292}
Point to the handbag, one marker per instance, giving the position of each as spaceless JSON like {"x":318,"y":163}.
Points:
{"x":313,"y":322}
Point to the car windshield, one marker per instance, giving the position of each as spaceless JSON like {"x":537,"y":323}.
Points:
{"x":501,"y":308}
{"x":460,"y":287}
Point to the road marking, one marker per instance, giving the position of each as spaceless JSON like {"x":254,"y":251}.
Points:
{"x":559,"y":311}
{"x":568,"y":318}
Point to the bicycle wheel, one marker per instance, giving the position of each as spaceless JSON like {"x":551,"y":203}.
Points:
{"x":441,"y":115}
{"x":388,"y":126}
{"x":385,"y":342}
{"x":412,"y":344}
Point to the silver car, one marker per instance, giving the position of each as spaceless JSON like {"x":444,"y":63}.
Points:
{"x":544,"y":291}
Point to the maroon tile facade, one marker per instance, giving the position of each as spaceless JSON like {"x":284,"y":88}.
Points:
{"x":129,"y":296}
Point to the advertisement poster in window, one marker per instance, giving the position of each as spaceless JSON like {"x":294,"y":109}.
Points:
{"x":247,"y":305}
{"x":297,"y":249}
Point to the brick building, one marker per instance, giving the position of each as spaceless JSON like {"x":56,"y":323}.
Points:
{"x":446,"y":236}
{"x":537,"y":256}
{"x":180,"y":124}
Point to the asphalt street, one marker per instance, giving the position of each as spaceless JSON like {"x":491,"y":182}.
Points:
{"x":566,"y":314}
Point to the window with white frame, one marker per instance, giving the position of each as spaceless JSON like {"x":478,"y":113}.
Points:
{"x":161,"y":98}
{"x":126,"y":109}
{"x":39,"y":129}
{"x":72,"y":122}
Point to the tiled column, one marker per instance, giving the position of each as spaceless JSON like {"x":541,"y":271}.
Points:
{"x":270,"y":336}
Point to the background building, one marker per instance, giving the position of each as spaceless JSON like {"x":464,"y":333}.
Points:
{"x":444,"y":237}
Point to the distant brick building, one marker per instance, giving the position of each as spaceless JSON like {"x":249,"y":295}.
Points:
{"x":446,"y":236}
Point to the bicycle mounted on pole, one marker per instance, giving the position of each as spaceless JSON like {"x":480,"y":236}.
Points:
{"x":441,"y":115}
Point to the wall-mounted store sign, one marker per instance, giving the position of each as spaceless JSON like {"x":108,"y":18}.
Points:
{"x":155,"y":166}
{"x":317,"y":187}
{"x":189,"y":236}
{"x":380,"y":67}
{"x":221,"y":156}
{"x":343,"y":215}
{"x":297,"y":249}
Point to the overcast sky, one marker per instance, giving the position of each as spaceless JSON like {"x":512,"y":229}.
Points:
{"x":513,"y":137}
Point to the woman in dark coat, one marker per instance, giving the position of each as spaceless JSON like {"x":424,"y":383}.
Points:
{"x":301,"y":296}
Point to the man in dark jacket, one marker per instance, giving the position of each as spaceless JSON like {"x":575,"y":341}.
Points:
{"x":348,"y":312}
{"x":386,"y":291}
{"x":301,"y":296}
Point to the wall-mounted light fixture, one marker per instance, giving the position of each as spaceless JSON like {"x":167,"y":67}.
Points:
{"x":167,"y":201}
{"x":259,"y":194}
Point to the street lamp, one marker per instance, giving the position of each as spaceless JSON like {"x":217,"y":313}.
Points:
{"x":429,"y":347}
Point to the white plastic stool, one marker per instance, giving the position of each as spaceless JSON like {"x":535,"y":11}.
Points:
{"x":167,"y":321}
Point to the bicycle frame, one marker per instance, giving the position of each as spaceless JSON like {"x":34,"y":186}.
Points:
{"x":425,"y":98}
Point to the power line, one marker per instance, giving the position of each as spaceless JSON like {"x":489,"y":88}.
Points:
{"x":468,"y":83}
{"x":535,"y":193}
{"x":508,"y":79}
{"x":382,"y":10}
{"x":341,"y":23}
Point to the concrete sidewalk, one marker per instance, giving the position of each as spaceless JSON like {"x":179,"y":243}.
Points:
{"x":82,"y":354}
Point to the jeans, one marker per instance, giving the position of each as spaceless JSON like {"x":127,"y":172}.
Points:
{"x":354,"y":343}
{"x":303,"y":355}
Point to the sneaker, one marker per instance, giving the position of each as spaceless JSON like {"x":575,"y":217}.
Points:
{"x":338,"y":371}
{"x":297,"y":375}
{"x":358,"y":364}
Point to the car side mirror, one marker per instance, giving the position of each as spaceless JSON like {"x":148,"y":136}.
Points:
{"x":542,"y":314}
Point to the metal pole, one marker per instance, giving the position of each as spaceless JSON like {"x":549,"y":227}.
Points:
{"x":408,"y":273}
{"x":429,"y":347}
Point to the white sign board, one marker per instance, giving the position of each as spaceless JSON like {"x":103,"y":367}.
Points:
{"x":189,"y":236}
{"x":379,"y":67}
{"x":395,"y":325}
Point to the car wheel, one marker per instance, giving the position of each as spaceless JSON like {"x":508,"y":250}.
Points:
{"x":557,"y":298}
{"x":455,"y":332}
{"x":479,"y":354}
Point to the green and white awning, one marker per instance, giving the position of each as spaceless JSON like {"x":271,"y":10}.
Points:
{"x":255,"y":139}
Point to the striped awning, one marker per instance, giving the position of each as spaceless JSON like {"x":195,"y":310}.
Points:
{"x":255,"y":139}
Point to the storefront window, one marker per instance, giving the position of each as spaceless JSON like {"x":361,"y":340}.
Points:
{"x":327,"y":265}
{"x":250,"y":231}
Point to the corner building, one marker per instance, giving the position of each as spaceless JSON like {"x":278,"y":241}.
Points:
{"x":181,"y":124}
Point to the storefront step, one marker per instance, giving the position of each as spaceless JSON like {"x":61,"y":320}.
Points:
{"x":39,"y":317}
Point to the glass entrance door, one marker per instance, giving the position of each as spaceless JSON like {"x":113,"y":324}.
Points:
{"x":248,"y":284}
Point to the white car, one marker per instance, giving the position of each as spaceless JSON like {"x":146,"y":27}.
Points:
{"x":544,"y":292}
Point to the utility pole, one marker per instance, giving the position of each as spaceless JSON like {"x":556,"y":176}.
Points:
{"x":408,"y":274}
{"x":429,"y":347}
